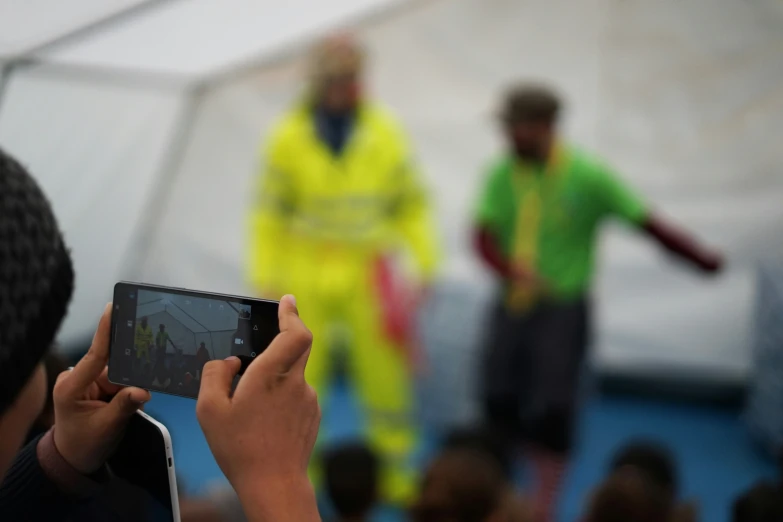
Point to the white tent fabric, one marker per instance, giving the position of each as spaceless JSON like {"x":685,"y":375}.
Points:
{"x":28,"y":24}
{"x":201,"y":37}
{"x":682,"y":97}
{"x":198,"y":314}
{"x":191,"y":321}
{"x":96,"y":149}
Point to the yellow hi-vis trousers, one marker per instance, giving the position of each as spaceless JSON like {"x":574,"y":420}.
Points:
{"x":378,"y":373}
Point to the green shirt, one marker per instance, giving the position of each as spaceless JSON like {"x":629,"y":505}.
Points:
{"x":161,"y":338}
{"x":575,"y":198}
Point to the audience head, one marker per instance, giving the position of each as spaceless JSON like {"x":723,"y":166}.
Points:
{"x":462,"y":485}
{"x":484,"y":440}
{"x":652,"y":459}
{"x":629,"y":494}
{"x":36,"y":282}
{"x":762,"y":503}
{"x":352,"y":479}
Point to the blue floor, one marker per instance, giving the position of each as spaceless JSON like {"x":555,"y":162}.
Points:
{"x":716,"y":456}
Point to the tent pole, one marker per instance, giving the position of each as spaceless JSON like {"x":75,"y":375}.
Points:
{"x":85,"y":31}
{"x":141,"y":242}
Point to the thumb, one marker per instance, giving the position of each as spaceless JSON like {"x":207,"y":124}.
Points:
{"x":216,"y":380}
{"x":126,"y":403}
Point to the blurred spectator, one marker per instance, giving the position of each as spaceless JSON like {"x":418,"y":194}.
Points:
{"x":485,"y":440}
{"x":536,"y":228}
{"x":629,"y":495}
{"x":654,"y":460}
{"x":340,"y":201}
{"x":351,"y":472}
{"x":762,"y":503}
{"x":464,"y":485}
{"x":658,"y":465}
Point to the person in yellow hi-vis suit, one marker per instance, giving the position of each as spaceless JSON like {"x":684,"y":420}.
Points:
{"x":339,"y":197}
{"x":143,"y":340}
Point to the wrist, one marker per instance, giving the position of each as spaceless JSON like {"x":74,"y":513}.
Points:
{"x":279,"y":498}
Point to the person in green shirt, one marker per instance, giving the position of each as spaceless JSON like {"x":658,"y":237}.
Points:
{"x":537,"y":224}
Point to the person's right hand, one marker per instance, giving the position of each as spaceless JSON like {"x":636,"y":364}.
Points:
{"x":262,"y":436}
{"x":527,"y":278}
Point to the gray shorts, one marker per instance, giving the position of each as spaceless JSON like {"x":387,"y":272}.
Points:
{"x":532,"y":369}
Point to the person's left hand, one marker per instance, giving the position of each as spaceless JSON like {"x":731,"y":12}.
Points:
{"x":711,"y":261}
{"x":86,"y":427}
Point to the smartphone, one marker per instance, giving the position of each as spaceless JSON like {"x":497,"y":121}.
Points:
{"x":144,"y":482}
{"x":162,"y":337}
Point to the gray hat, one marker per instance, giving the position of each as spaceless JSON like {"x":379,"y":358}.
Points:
{"x":36,"y":278}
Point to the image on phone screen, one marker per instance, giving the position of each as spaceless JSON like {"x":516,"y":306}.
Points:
{"x":162,"y":337}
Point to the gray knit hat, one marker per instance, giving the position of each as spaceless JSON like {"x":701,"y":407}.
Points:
{"x":36,"y":278}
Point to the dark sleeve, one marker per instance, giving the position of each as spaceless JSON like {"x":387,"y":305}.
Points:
{"x":486,"y":247}
{"x":29,"y":492}
{"x":680,"y":243}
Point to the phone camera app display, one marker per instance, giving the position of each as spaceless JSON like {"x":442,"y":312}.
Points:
{"x":175,"y":335}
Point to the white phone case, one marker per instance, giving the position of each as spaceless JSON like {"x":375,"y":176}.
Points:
{"x":171,"y":469}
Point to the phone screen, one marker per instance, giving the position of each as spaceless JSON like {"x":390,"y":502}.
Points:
{"x":141,"y":469}
{"x":162,"y":337}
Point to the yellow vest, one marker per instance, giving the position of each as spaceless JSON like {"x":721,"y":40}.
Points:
{"x":315,"y":211}
{"x":143,"y":336}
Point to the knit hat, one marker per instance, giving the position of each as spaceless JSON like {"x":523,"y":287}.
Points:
{"x":36,"y":278}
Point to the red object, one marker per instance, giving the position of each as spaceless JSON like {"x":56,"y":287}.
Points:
{"x":399,"y":306}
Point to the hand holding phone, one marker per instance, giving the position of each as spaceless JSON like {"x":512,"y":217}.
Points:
{"x":87,"y":427}
{"x":162,"y":337}
{"x":263,"y":434}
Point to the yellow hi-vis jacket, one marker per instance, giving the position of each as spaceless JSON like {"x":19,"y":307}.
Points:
{"x":320,"y":217}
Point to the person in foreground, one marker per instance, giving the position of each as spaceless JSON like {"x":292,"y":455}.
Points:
{"x":261,"y":437}
{"x":537,"y":228}
{"x":58,"y":470}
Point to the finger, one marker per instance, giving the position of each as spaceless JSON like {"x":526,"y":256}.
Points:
{"x":107,"y":387}
{"x":293,"y":341}
{"x":125,"y":404}
{"x":216,"y":380}
{"x":299,"y":366}
{"x":94,"y":362}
